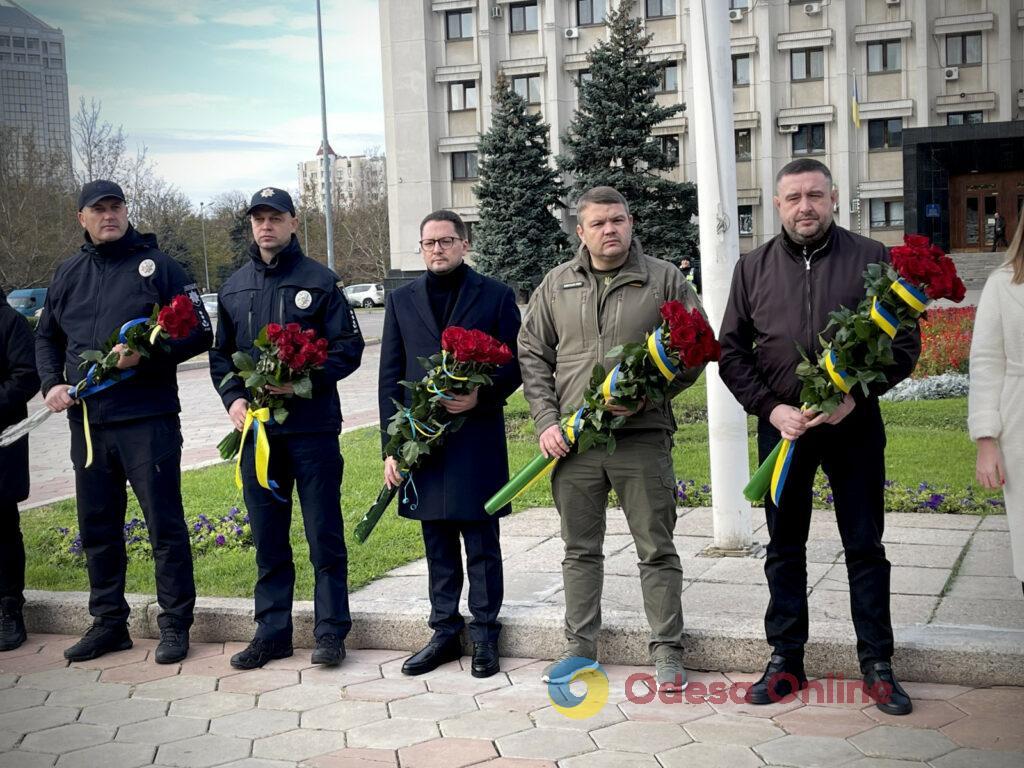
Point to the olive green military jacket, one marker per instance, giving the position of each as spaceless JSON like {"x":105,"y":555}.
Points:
{"x":571,"y":323}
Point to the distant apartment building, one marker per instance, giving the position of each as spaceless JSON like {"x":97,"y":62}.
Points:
{"x":33,"y":78}
{"x":939,"y":87}
{"x":350,"y":177}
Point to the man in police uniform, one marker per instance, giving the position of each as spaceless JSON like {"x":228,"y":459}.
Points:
{"x":281,"y":285}
{"x":117,"y":276}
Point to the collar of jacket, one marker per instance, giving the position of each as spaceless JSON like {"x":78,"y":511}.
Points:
{"x":282,"y":263}
{"x":633,"y":267}
{"x":131,"y":242}
{"x":817,"y":249}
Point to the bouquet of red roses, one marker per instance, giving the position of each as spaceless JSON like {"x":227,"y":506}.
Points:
{"x":142,"y":335}
{"x":860,"y":348}
{"x":465,"y":362}
{"x":287,"y":355}
{"x":647,"y":371}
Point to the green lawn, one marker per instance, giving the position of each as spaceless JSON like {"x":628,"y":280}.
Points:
{"x":927,"y":443}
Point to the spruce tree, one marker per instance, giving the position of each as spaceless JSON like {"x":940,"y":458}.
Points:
{"x":609,"y":140}
{"x":518,"y":238}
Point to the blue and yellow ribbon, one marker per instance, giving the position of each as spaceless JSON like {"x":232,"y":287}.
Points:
{"x":656,"y":350}
{"x":257,"y":419}
{"x":838,"y":377}
{"x":610,"y":387}
{"x":781,"y":470}
{"x":570,"y":429}
{"x":87,"y":387}
{"x":883,"y":318}
{"x":911,"y":295}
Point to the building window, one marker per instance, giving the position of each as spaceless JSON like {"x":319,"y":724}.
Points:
{"x":5,"y":41}
{"x":885,"y":56}
{"x":523,"y":17}
{"x":583,"y":76}
{"x":589,"y":12}
{"x":743,"y":144}
{"x":463,"y":166}
{"x":962,"y":50}
{"x":33,"y":44}
{"x":462,"y":95}
{"x":965,"y":118}
{"x":741,"y":70}
{"x":33,"y":58}
{"x":459,"y":25}
{"x":885,"y":134}
{"x":809,"y":139}
{"x":469,"y":230}
{"x":54,"y":47}
{"x":659,"y":8}
{"x":745,"y":216}
{"x":19,"y":42}
{"x":668,"y":77}
{"x":886,"y":214}
{"x":670,"y":148}
{"x":736,"y":5}
{"x":807,"y":64}
{"x":527,"y":86}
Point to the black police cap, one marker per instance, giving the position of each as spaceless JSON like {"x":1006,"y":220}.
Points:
{"x":95,"y":191}
{"x":272,"y":197}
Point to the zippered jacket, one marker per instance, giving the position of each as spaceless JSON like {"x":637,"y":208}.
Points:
{"x":571,"y":323}
{"x":290,"y":289}
{"x":91,"y":296}
{"x":781,"y":297}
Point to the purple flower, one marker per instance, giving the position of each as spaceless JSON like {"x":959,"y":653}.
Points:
{"x":934,"y":501}
{"x":238,"y":531}
{"x":221,"y":541}
{"x":197,"y":527}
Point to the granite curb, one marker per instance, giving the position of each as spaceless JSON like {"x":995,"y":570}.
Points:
{"x":941,"y":653}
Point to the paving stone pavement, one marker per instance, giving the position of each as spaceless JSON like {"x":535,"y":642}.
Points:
{"x":53,"y":714}
{"x":203,"y":424}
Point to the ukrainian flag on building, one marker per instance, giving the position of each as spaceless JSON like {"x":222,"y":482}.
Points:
{"x":855,"y":104}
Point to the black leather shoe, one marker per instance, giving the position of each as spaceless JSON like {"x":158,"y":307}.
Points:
{"x":173,"y":645}
{"x":12,"y":624}
{"x":433,"y":656}
{"x":259,"y":652}
{"x":781,"y":678}
{"x":881,"y":685}
{"x":329,"y":651}
{"x":99,"y":640}
{"x":485,"y":659}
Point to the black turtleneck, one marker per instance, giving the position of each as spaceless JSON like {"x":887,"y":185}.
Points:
{"x":283,"y":258}
{"x":125,"y":244}
{"x":443,"y":292}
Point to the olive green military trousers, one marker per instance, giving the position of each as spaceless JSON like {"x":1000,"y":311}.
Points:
{"x":640,"y":471}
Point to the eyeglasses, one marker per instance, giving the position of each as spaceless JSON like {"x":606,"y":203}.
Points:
{"x":445,"y":242}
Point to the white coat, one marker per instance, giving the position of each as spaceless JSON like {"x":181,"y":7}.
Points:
{"x":996,"y":401}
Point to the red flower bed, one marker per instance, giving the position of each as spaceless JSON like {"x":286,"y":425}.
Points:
{"x":945,"y":341}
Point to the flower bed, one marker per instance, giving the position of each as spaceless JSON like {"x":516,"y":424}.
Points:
{"x":205,"y":535}
{"x":945,"y":341}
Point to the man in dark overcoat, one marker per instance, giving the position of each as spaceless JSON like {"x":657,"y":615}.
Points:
{"x":18,"y":383}
{"x":448,"y":490}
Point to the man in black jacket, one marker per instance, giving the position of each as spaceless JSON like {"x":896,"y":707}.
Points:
{"x":18,"y":383}
{"x":117,"y":276}
{"x":782,"y":294}
{"x":280,"y":285}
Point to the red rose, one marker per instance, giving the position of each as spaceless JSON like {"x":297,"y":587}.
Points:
{"x":690,"y":336}
{"x":273,"y":332}
{"x":925,"y":266}
{"x":178,"y":318}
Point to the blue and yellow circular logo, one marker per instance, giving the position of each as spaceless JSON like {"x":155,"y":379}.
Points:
{"x":586,"y":671}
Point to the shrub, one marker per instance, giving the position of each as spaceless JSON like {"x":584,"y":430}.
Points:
{"x":941,"y":387}
{"x":945,"y":341}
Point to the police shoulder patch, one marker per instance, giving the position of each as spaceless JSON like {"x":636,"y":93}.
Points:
{"x":192,"y":291}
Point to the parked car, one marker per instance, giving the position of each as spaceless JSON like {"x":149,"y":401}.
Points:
{"x":210,"y":302}
{"x":27,"y":301}
{"x":365,"y":295}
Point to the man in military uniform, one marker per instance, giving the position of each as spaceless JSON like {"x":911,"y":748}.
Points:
{"x":18,"y":383}
{"x":610,"y":294}
{"x":281,"y":285}
{"x":117,"y":276}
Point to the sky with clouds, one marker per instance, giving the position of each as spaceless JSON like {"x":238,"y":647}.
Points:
{"x":225,"y":94}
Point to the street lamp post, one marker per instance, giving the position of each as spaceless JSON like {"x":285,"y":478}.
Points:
{"x":326,"y":154}
{"x":206,"y":260}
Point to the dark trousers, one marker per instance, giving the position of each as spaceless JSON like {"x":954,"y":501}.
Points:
{"x":444,"y":570}
{"x":12,"y":553}
{"x":311,"y":463}
{"x":146,"y":453}
{"x":852,"y":455}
